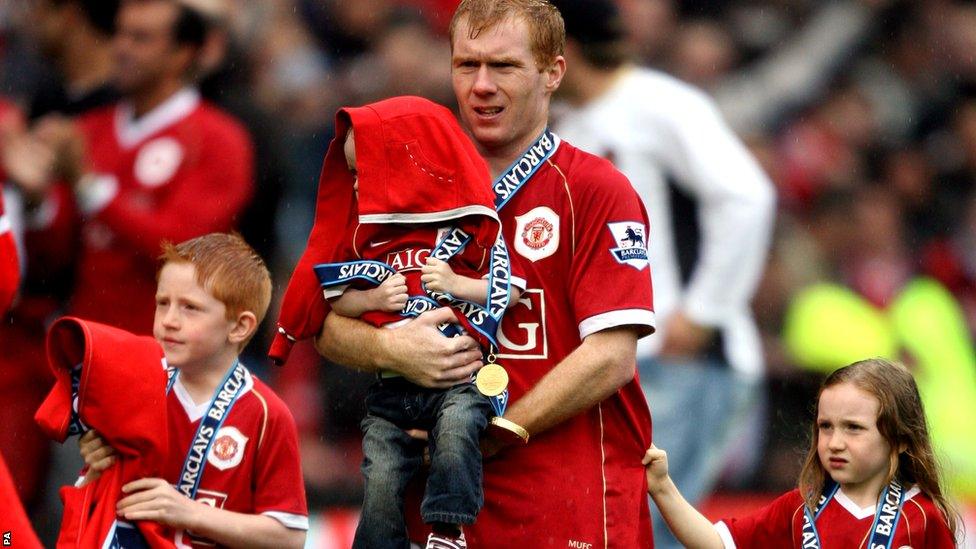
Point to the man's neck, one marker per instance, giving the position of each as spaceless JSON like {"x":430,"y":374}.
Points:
{"x":500,"y":159}
{"x":591,"y":83}
{"x":87,"y":63}
{"x":201,"y":383}
{"x":147,"y":100}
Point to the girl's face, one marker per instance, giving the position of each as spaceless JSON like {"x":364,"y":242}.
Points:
{"x":850,"y":447}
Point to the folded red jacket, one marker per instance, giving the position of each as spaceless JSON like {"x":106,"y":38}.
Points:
{"x":120,"y":391}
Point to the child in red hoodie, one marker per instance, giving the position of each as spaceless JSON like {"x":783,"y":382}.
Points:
{"x":411,"y":226}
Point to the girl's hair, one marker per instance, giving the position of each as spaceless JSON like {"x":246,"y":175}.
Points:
{"x":901,"y":421}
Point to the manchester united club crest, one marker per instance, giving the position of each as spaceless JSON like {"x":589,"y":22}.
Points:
{"x":630,"y":247}
{"x":228,"y":448}
{"x":537,"y":233}
{"x":158,"y":161}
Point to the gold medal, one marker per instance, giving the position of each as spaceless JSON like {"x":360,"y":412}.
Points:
{"x":492,"y":380}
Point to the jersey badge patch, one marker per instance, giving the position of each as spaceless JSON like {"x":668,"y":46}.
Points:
{"x":537,"y":233}
{"x":228,"y":448}
{"x":630,"y":245}
{"x":158,"y":161}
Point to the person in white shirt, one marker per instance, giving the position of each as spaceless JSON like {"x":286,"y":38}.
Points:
{"x":701,"y":370}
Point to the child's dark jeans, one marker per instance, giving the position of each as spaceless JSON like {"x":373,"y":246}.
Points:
{"x":454,"y":418}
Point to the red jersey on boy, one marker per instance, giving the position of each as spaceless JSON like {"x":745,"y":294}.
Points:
{"x":580,"y":232}
{"x":841,"y":524}
{"x":253,"y":466}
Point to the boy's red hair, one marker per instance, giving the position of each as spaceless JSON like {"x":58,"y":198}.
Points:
{"x":228,"y":268}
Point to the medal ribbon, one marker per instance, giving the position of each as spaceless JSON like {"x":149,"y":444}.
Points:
{"x":223,"y":400}
{"x":885,"y":517}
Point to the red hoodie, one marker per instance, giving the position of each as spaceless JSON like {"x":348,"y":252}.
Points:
{"x":121,"y":394}
{"x":415,"y":165}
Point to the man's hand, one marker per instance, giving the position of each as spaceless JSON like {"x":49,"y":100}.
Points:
{"x":422,"y":354}
{"x":98,"y":455}
{"x":157,"y":500}
{"x":417,"y":350}
{"x":28,"y":160}
{"x":391,"y":295}
{"x":64,"y":138}
{"x":438,"y":276}
{"x":683,"y":338}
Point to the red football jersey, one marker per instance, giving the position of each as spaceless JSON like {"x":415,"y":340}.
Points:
{"x":253,"y":466}
{"x":579,"y":230}
{"x":841,"y":524}
{"x":407,"y":250}
{"x":179,"y":171}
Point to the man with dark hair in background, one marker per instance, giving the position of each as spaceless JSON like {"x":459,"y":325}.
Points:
{"x":701,"y":369}
{"x":161,"y":164}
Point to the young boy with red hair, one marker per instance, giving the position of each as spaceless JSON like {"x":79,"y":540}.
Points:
{"x":233,"y":443}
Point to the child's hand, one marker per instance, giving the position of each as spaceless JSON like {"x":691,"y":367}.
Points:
{"x":98,"y":455}
{"x":438,"y":276}
{"x":391,"y":295}
{"x":656,"y":463}
{"x":157,"y":500}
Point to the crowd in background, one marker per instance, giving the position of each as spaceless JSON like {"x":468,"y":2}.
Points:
{"x":862,"y":113}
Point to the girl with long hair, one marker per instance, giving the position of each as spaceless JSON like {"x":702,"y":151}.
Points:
{"x":870,"y":479}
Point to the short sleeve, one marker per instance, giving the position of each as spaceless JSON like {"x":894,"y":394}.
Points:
{"x":772,"y":526}
{"x":279,"y":488}
{"x":611,"y":278}
{"x":937,"y":533}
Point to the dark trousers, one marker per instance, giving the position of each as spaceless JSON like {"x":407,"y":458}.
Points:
{"x":455,"y":419}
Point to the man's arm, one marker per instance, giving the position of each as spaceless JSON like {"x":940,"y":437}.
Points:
{"x":736,"y":203}
{"x":157,"y":500}
{"x":417,"y":350}
{"x":603,"y":363}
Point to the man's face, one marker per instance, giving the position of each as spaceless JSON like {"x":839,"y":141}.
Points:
{"x":145,"y":51}
{"x":48,"y":26}
{"x":502,"y":93}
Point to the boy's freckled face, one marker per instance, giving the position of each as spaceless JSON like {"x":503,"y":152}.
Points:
{"x":190,"y":323}
{"x":349,"y":148}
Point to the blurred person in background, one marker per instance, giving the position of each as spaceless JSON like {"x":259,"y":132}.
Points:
{"x":14,"y":517}
{"x":75,"y":36}
{"x":161,"y":164}
{"x":702,"y":369}
{"x":99,"y":195}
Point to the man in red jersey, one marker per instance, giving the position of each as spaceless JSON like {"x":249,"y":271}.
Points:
{"x":569,"y":346}
{"x":159,"y":165}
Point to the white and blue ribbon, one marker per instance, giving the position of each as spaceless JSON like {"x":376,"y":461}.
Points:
{"x":885,"y":517}
{"x":224,"y":398}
